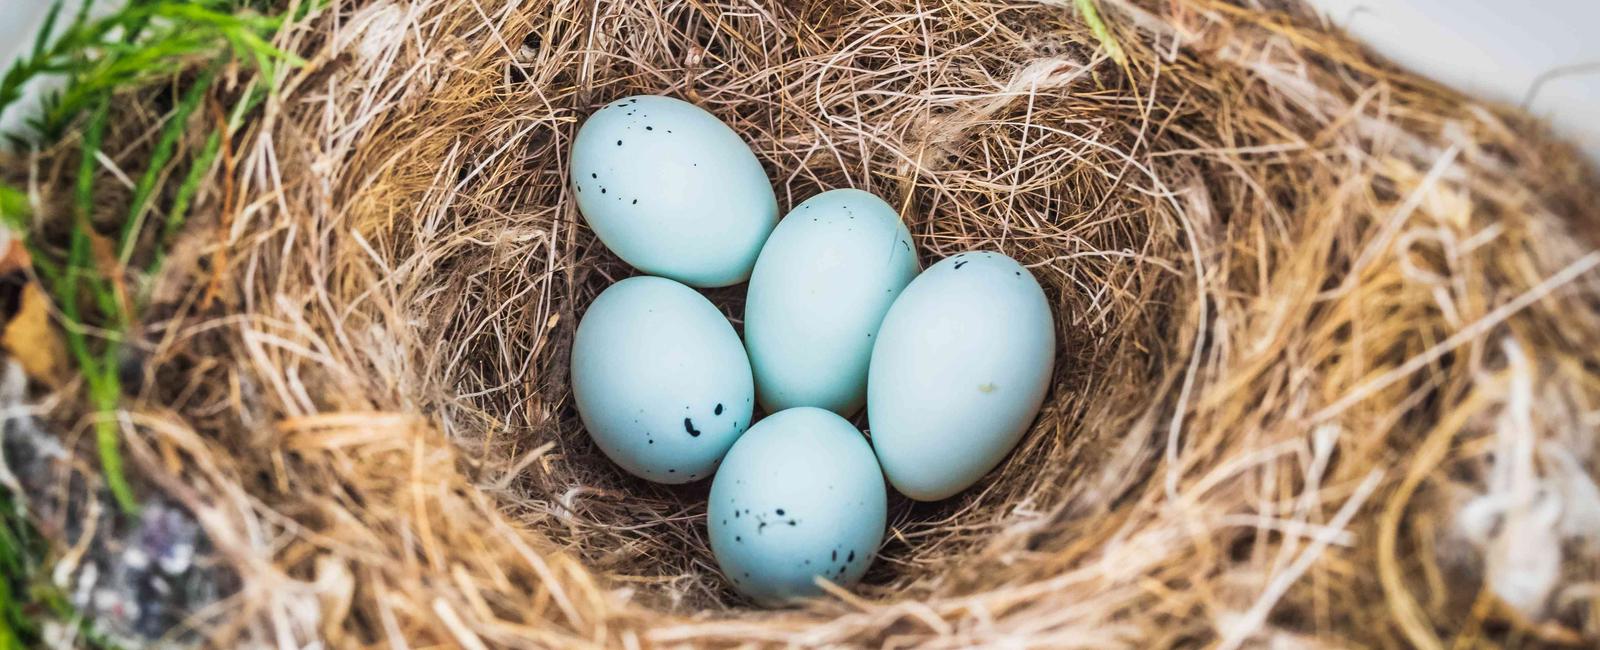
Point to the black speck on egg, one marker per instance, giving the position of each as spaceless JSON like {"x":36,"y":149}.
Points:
{"x":672,"y":471}
{"x":602,"y":190}
{"x":718,"y":411}
{"x":852,"y":557}
{"x":793,"y":522}
{"x":688,"y":425}
{"x":738,"y":538}
{"x":835,"y":556}
{"x":619,"y":143}
{"x":780,"y":512}
{"x":649,"y":128}
{"x":636,"y":201}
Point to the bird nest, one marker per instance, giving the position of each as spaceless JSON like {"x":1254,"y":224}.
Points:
{"x":1329,"y":333}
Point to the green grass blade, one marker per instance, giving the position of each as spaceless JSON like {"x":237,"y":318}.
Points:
{"x":1091,"y":15}
{"x":15,"y":626}
{"x":186,"y":192}
{"x":163,"y":153}
{"x":14,"y":210}
{"x":42,"y":39}
{"x":102,"y":378}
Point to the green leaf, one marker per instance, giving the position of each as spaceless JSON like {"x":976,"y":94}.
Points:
{"x":186,"y":192}
{"x":174,"y":129}
{"x":102,"y":378}
{"x":45,"y":29}
{"x":1091,"y":15}
{"x":14,"y":208}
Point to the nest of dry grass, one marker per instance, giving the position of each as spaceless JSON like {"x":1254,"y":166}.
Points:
{"x":1330,"y":334}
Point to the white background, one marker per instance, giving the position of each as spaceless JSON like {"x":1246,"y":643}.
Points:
{"x":1496,"y":49}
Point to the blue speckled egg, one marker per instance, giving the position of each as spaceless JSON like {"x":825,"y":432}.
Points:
{"x":822,"y":284}
{"x":672,"y":190}
{"x":799,"y":496}
{"x":961,"y":366}
{"x":660,"y":379}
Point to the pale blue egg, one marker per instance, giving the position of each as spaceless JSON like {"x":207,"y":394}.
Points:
{"x":820,"y":289}
{"x":961,"y":366}
{"x":660,"y":379}
{"x":672,"y":190}
{"x":799,"y":496}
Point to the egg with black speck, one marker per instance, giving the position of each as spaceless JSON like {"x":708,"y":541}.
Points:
{"x":799,"y":497}
{"x":672,"y":190}
{"x":820,"y":289}
{"x":660,"y":379}
{"x":961,"y":366}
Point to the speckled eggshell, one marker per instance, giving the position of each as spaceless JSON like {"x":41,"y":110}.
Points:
{"x":819,"y":291}
{"x":672,"y":190}
{"x":660,"y":379}
{"x":961,"y":366}
{"x":799,"y":496}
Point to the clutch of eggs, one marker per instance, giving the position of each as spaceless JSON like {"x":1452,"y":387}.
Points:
{"x":952,"y":365}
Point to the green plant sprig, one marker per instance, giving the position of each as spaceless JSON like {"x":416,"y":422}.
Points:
{"x":142,"y":43}
{"x":1097,"y":26}
{"x":188,"y":44}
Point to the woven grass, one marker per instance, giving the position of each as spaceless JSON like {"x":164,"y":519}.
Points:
{"x":1329,"y":362}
